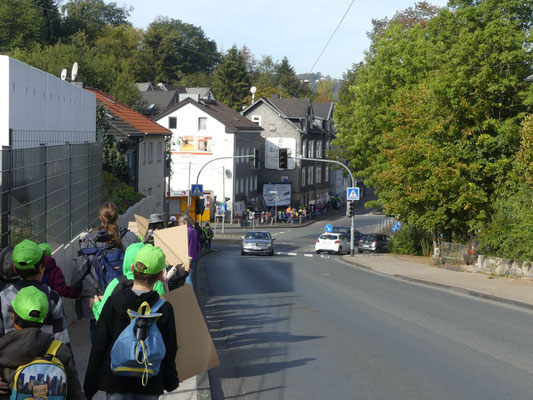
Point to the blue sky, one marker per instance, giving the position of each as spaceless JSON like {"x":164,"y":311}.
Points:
{"x":298,"y":29}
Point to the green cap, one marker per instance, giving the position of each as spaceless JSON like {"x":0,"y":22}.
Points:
{"x":31,"y":304}
{"x":152,"y":258}
{"x":47,"y":250}
{"x":26,"y":254}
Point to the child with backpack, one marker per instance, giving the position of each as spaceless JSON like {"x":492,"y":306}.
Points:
{"x":28,"y":263}
{"x":99,"y":260}
{"x":23,"y":351}
{"x":135,"y":313}
{"x":53,"y":276}
{"x":117,"y":284}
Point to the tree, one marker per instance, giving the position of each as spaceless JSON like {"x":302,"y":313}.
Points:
{"x":113,"y":161}
{"x":22,"y":25}
{"x":286,"y":78}
{"x":231,"y":80}
{"x":91,"y":16}
{"x":172,"y":49}
{"x":324,"y":91}
{"x":431,"y":118}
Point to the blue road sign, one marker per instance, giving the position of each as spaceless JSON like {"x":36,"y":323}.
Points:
{"x":328,"y":228}
{"x":197,"y":190}
{"x":397,"y":226}
{"x":222,"y":207}
{"x":352,"y":193}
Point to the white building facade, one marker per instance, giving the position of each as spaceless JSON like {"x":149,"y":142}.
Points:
{"x":37,"y":108}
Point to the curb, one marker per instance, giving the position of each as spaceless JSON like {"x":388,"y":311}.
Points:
{"x":467,"y":292}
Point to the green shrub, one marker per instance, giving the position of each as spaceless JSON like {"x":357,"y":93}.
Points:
{"x":509,"y":234}
{"x":119,"y":193}
{"x":411,"y":240}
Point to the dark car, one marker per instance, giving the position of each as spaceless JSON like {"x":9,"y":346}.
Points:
{"x":257,"y":242}
{"x":375,"y":242}
{"x":346,"y":230}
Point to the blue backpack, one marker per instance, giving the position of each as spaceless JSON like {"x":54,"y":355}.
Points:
{"x":139,"y":349}
{"x":107,"y":261}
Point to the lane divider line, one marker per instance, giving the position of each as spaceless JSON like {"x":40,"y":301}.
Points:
{"x":292,"y":254}
{"x":308,"y":255}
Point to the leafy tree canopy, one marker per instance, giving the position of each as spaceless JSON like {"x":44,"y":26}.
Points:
{"x":231,"y":80}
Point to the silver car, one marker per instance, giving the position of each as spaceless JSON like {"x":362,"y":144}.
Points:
{"x":257,"y":242}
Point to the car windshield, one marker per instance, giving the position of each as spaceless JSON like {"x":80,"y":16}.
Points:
{"x":369,"y":237}
{"x":340,"y":229}
{"x":258,"y":235}
{"x":328,"y":237}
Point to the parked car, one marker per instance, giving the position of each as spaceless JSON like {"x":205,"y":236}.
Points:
{"x":257,"y":242}
{"x":332,"y":243}
{"x":375,"y":242}
{"x":346,"y":230}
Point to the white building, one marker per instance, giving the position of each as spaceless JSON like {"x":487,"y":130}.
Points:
{"x":37,"y":108}
{"x":201,"y":132}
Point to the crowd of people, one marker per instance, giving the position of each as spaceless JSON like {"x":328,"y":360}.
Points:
{"x":117,"y":281}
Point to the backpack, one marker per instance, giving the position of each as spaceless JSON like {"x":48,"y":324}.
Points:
{"x":139,"y":349}
{"x":42,"y":378}
{"x":107,"y":261}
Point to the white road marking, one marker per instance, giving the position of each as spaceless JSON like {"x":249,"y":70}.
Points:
{"x":279,"y":253}
{"x":308,"y":255}
{"x":323,"y":256}
{"x":292,"y":254}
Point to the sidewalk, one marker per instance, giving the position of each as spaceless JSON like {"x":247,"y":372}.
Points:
{"x":507,"y":290}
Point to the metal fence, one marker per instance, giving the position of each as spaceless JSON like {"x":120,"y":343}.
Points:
{"x":19,"y":139}
{"x":453,"y":252}
{"x":50,"y":193}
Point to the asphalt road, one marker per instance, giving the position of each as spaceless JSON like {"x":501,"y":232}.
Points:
{"x":310,"y":327}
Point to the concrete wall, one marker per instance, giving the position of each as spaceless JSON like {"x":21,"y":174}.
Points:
{"x":506,"y":267}
{"x":33,"y":100}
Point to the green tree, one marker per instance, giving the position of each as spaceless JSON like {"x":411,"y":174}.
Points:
{"x":431,"y":118}
{"x":324,"y":91}
{"x":113,"y":161}
{"x":22,"y":25}
{"x":231,"y":80}
{"x":172,"y":49}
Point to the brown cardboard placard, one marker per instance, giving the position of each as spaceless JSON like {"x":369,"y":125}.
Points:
{"x":132,"y":227}
{"x":174,"y":243}
{"x":196,"y":351}
{"x":142,"y":225}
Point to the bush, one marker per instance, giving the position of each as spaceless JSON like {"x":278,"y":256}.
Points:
{"x":412,"y":240}
{"x":119,"y":193}
{"x":509,"y":234}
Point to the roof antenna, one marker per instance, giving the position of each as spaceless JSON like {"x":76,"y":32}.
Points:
{"x":73,"y":73}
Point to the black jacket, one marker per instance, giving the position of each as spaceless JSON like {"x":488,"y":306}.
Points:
{"x":20,"y":347}
{"x":113,"y":319}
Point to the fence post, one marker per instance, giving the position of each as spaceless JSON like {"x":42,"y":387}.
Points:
{"x":70,"y":191}
{"x":45,"y":149}
{"x":6,"y":190}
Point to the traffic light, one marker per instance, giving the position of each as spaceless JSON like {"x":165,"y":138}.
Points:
{"x":350,"y":209}
{"x":256,"y":161}
{"x":199,"y":205}
{"x":283,"y":159}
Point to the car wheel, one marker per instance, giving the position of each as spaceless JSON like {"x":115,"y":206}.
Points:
{"x":339,"y":251}
{"x":317,"y":251}
{"x":359,"y":251}
{"x":243,"y":253}
{"x":271,"y":253}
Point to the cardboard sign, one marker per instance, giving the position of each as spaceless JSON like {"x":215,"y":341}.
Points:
{"x":174,"y":243}
{"x":196,"y":351}
{"x":142,"y":225}
{"x":132,"y":226}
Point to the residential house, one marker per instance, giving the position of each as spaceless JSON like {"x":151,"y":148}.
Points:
{"x":294,"y":124}
{"x":143,"y":142}
{"x":203,"y":131}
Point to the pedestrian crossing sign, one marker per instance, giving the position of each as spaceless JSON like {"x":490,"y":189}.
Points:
{"x":197,"y":190}
{"x":352,"y":193}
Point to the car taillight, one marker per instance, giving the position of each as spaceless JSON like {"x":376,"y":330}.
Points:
{"x":374,"y":242}
{"x":337,"y":241}
{"x":318,"y":241}
{"x":360,"y":240}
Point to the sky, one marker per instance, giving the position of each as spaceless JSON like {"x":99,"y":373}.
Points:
{"x":298,"y":29}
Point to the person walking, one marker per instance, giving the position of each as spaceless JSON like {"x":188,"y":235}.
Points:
{"x":192,"y":237}
{"x":209,"y":235}
{"x":86,"y":274}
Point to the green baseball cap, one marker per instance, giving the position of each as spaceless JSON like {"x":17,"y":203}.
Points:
{"x":26,"y":254}
{"x":31,"y":304}
{"x":152,"y":258}
{"x":47,"y":250}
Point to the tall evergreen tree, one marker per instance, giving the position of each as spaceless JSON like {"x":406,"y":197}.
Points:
{"x":231,"y":80}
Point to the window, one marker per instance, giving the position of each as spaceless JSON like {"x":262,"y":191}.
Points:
{"x":159,"y":151}
{"x":255,"y":183}
{"x":303,"y":177}
{"x":202,"y":123}
{"x":172,"y":123}
{"x":247,"y":185}
{"x":318,"y":178}
{"x":144,"y":152}
{"x":150,"y":152}
{"x":310,"y":175}
{"x":242,"y":185}
{"x":311,"y":149}
{"x":304,"y":148}
{"x":328,"y":145}
{"x":319,"y":149}
{"x":326,"y":175}
{"x":257,"y":119}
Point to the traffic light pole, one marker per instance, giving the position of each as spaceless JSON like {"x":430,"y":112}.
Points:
{"x":352,"y":234}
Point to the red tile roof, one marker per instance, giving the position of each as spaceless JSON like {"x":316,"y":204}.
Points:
{"x":138,"y":121}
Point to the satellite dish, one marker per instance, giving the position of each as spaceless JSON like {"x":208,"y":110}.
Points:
{"x":74,"y":73}
{"x":63,"y":74}
{"x":253,"y":89}
{"x":228,"y":174}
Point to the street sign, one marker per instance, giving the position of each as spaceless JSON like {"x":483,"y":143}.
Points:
{"x":222,"y":207}
{"x":197,"y":190}
{"x":328,"y":228}
{"x":397,"y":226}
{"x":352,"y":193}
